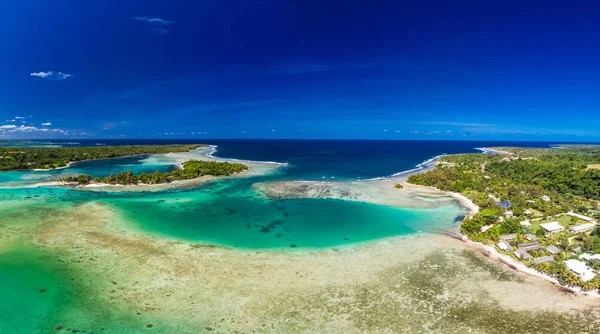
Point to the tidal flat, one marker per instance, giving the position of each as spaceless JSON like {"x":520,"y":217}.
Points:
{"x":253,"y":254}
{"x":112,"y":280}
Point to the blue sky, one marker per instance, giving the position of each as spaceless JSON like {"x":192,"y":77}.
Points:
{"x":521,"y":70}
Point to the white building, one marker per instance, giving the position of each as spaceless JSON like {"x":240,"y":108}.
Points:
{"x":552,"y":227}
{"x":525,"y":223}
{"x":588,"y":257}
{"x":546,"y":198}
{"x":582,"y":217}
{"x":581,"y":269}
{"x":508,"y":214}
{"x":528,"y":212}
{"x":582,"y":228}
{"x":504,"y":246}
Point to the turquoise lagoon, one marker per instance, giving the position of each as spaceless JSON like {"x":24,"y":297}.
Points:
{"x":37,"y":295}
{"x":229,"y":212}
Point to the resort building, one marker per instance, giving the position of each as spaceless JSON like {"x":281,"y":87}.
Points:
{"x":528,"y":245}
{"x":505,"y":204}
{"x":525,"y":223}
{"x":582,"y":228}
{"x":545,"y":198}
{"x":528,"y":212}
{"x":552,"y":227}
{"x":530,"y":237}
{"x":553,"y":249}
{"x":508,"y":214}
{"x":504,"y":246}
{"x":507,"y":237}
{"x":522,"y":254}
{"x":582,"y":217}
{"x":590,"y":257}
{"x":543,"y":259}
{"x":581,"y":269}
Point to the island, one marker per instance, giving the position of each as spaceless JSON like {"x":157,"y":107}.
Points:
{"x":191,"y":169}
{"x":539,"y":207}
{"x":47,"y":158}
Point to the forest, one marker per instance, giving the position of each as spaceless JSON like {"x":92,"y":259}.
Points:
{"x":12,"y":158}
{"x":191,"y":170}
{"x":521,"y":177}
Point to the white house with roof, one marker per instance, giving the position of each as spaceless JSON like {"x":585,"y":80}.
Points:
{"x":581,"y":269}
{"x":508,"y":214}
{"x":502,"y":245}
{"x":589,"y":257}
{"x":582,"y":217}
{"x":545,"y":198}
{"x":552,"y":227}
{"x":525,"y":223}
{"x":582,"y":228}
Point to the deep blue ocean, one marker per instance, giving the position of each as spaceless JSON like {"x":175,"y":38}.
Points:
{"x":319,"y":159}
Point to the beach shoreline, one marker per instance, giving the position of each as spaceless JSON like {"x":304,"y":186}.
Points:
{"x":69,"y":164}
{"x":491,"y":252}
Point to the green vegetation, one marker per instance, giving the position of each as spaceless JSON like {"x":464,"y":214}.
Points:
{"x":537,"y":185}
{"x":398,"y":186}
{"x":191,"y":170}
{"x":521,"y":177}
{"x":12,"y":158}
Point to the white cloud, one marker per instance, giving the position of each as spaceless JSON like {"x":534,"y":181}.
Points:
{"x":46,"y":124}
{"x":11,"y":128}
{"x":19,"y":117}
{"x":51,"y":75}
{"x":153,"y":20}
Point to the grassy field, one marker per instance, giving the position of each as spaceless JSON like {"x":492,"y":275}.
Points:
{"x":536,"y":213}
{"x":564,"y":220}
{"x":596,"y":166}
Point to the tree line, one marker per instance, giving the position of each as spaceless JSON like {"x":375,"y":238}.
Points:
{"x":520,"y":178}
{"x":12,"y":158}
{"x":191,"y":170}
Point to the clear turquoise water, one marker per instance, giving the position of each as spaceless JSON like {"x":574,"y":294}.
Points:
{"x":32,"y":291}
{"x":229,"y":212}
{"x":37,"y":293}
{"x":233,"y":215}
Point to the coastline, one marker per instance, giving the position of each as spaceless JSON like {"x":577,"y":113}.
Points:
{"x":69,"y":164}
{"x":487,"y":150}
{"x":323,"y":189}
{"x":491,"y":252}
{"x":463,"y":200}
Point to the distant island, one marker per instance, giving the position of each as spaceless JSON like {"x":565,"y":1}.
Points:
{"x":47,"y":158}
{"x":191,"y":169}
{"x":538,"y":206}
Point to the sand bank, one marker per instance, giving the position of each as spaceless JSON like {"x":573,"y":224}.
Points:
{"x":377,"y":191}
{"x":69,"y":164}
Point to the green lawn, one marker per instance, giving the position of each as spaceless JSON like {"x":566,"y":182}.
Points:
{"x":536,"y":213}
{"x":564,"y":220}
